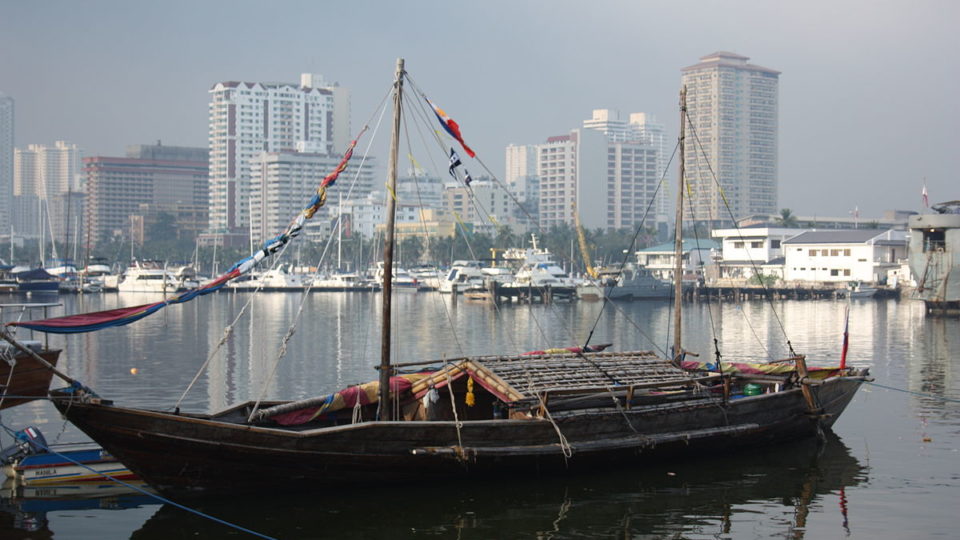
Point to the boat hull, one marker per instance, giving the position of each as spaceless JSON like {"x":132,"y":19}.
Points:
{"x":30,"y":381}
{"x":185,"y":454}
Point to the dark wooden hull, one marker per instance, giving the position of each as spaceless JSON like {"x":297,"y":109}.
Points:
{"x":30,"y":381}
{"x":183,"y":454}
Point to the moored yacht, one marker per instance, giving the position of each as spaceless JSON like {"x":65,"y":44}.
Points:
{"x":153,"y":277}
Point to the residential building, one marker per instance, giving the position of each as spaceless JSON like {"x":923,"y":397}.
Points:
{"x":6,"y":163}
{"x":484,"y":205}
{"x":635,"y":167}
{"x":731,"y":139}
{"x":573,"y":172}
{"x":149,"y":180}
{"x":367,"y":214}
{"x":248,"y":118}
{"x":843,"y":256}
{"x":43,"y":178}
{"x":282,"y":184}
{"x":522,"y":177}
{"x":418,"y":187}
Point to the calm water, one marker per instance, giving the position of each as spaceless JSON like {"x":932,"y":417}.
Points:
{"x":892,"y":469}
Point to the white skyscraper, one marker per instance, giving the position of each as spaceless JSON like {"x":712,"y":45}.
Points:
{"x":732,"y":106}
{"x":282,"y":184}
{"x":522,"y":178}
{"x":642,"y":130}
{"x":247,"y":119}
{"x":46,"y":180}
{"x":6,"y":162}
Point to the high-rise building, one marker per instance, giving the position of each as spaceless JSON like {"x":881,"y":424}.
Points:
{"x":248,"y":118}
{"x":6,"y":162}
{"x":45,"y":179}
{"x":282,"y":184}
{"x":522,"y":178}
{"x":609,"y":183}
{"x":151,"y":179}
{"x":731,"y":138}
{"x":639,"y":129}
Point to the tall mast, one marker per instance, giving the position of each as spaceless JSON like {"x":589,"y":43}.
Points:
{"x":678,"y":235}
{"x":388,"y":242}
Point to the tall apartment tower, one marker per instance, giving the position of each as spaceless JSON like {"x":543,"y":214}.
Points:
{"x":282,"y":183}
{"x":521,"y":176}
{"x":46,"y":184}
{"x":248,"y":118}
{"x":6,"y":162}
{"x":732,"y":107}
{"x":638,"y":129}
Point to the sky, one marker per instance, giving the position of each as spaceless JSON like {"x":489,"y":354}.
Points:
{"x":869,"y":106}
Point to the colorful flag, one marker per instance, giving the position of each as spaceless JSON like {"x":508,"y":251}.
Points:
{"x":454,"y":162}
{"x":450,"y":126}
{"x":926,"y":201}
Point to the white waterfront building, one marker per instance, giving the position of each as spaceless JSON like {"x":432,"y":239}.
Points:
{"x":731,"y":148}
{"x":746,"y":251}
{"x":843,"y":256}
{"x":248,"y":118}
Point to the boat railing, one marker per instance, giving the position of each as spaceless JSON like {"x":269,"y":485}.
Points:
{"x":28,"y":308}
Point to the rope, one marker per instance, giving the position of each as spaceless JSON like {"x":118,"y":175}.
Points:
{"x":919,"y":394}
{"x":143,"y":491}
{"x":456,"y":418}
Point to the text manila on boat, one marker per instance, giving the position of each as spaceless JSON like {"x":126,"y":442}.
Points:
{"x":549,"y":410}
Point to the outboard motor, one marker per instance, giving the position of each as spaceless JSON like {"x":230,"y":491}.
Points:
{"x":28,"y":441}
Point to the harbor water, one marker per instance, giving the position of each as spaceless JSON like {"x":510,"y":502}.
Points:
{"x":890,"y":469}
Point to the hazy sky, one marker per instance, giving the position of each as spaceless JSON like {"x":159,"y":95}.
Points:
{"x":868,"y":93}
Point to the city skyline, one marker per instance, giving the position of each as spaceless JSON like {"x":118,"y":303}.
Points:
{"x":863,"y":120}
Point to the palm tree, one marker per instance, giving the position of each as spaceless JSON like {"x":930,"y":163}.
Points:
{"x":786,"y":218}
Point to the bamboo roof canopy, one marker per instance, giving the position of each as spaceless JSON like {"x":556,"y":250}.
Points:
{"x":520,"y":377}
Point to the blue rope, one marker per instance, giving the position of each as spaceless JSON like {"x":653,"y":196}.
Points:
{"x":143,"y":491}
{"x":921,"y":394}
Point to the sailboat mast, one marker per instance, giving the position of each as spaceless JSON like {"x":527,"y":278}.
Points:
{"x":678,"y":235}
{"x":388,"y":243}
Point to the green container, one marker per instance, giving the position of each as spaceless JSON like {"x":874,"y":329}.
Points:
{"x":752,"y":389}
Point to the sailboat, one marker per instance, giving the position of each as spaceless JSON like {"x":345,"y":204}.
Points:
{"x":545,"y":411}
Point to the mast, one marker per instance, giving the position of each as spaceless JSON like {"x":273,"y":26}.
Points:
{"x":388,"y":243}
{"x":678,"y":235}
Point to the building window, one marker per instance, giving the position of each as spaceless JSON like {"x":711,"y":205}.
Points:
{"x":738,"y":245}
{"x":813,"y":253}
{"x":775,"y":244}
{"x":846,"y":272}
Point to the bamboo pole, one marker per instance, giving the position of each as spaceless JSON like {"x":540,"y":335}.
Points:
{"x":387,"y":287}
{"x":678,"y":237}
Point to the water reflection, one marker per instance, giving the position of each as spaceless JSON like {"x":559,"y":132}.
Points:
{"x":690,"y":500}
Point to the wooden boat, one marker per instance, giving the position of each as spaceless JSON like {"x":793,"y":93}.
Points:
{"x":22,"y":377}
{"x":543,"y":412}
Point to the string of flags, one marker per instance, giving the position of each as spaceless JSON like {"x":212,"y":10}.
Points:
{"x":454,"y":163}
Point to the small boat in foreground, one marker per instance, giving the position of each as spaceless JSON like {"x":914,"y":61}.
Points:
{"x":30,"y":461}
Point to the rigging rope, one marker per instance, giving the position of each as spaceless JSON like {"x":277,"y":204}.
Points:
{"x":736,"y":225}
